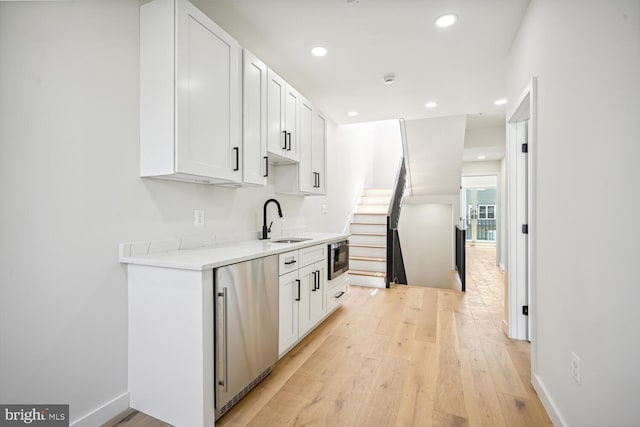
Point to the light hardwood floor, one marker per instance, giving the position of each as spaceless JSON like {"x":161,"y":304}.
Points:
{"x":405,"y":356}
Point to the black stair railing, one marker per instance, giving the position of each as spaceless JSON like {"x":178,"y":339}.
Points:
{"x":395,"y":265}
{"x":461,"y":256}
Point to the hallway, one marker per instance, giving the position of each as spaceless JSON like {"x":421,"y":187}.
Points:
{"x":406,"y":356}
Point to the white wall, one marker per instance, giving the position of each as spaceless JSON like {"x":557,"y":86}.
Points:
{"x":484,"y":137}
{"x":70,"y":193}
{"x":427,"y":246}
{"x":380,"y":149}
{"x":586,"y":56}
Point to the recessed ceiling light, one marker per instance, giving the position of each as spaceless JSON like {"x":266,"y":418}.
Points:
{"x":431,"y":104}
{"x":319,"y":51}
{"x":446,"y":20}
{"x":353,"y":113}
{"x":482,"y":157}
{"x":500,"y":101}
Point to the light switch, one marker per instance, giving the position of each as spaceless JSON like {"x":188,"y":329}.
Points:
{"x":324,"y":209}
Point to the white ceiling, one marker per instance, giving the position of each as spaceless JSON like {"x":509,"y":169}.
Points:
{"x":462,"y":68}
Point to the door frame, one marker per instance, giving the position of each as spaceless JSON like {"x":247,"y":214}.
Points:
{"x":521,"y":264}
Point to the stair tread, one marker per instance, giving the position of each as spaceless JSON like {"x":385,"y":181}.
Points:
{"x":369,"y":223}
{"x":361,"y":245}
{"x":380,"y":274}
{"x":370,"y":213}
{"x":367,"y":258}
{"x":368,"y":234}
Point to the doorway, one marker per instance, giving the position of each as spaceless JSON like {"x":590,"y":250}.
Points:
{"x":479,"y":209}
{"x":521,"y":146}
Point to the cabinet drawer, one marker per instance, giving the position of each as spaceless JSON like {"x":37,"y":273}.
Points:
{"x":313,"y":254}
{"x":288,"y":261}
{"x":337,"y":293}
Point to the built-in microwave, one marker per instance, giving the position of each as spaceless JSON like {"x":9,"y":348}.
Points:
{"x":338,"y":259}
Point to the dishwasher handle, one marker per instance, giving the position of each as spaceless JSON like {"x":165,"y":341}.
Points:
{"x":225,"y":349}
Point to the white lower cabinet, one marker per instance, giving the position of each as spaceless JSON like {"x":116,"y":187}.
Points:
{"x":289,"y":289}
{"x":302,"y":302}
{"x":312,"y":305}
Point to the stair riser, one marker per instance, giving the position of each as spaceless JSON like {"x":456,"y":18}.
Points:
{"x":368,"y":228}
{"x":372,"y":282}
{"x":368,"y":252}
{"x":379,"y":219}
{"x":375,"y":200}
{"x":368,"y":240}
{"x":378,"y":209}
{"x":377,"y":192}
{"x":357,"y":264}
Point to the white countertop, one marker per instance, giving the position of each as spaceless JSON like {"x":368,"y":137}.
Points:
{"x":219,"y":255}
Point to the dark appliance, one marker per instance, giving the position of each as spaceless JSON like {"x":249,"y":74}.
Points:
{"x":338,"y":259}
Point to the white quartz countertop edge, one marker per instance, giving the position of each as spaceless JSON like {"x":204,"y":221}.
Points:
{"x":219,"y":255}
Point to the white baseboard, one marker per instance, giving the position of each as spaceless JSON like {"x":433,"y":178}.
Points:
{"x":103,"y":413}
{"x":502,"y":267}
{"x":547,"y":402}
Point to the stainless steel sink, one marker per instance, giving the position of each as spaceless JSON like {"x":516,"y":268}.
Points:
{"x":290,"y":240}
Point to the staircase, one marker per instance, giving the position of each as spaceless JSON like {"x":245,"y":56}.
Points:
{"x":368,"y":241}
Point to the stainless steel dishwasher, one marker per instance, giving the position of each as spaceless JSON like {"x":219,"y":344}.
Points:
{"x":246,"y":316}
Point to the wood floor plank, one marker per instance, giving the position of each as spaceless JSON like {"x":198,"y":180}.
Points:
{"x":449,"y":391}
{"x":519,"y":412}
{"x":381,"y":407}
{"x":427,"y":327}
{"x":419,"y":390}
{"x":443,"y":419}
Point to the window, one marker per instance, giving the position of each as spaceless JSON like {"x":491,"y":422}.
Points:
{"x":486,"y":211}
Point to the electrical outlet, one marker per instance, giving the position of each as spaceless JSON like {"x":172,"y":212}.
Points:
{"x":198,"y":218}
{"x":324,"y":209}
{"x":575,"y":368}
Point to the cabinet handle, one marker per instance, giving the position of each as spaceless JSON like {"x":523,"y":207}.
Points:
{"x":318,"y":279}
{"x":266,"y":166}
{"x":237,"y":150}
{"x":284,"y":139}
{"x":313,"y":289}
{"x":293,"y":261}
{"x":287,"y":142}
{"x":338,"y":295}
{"x":298,"y":282}
{"x":224,"y":381}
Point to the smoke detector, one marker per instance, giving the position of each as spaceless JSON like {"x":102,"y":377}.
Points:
{"x":389,"y":78}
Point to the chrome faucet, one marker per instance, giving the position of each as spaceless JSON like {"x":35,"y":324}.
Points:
{"x":266,"y":230}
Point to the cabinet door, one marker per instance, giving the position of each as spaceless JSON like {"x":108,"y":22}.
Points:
{"x":276,"y":90}
{"x":306,"y":176}
{"x":288,"y":311}
{"x":292,"y":102}
{"x":319,"y":154}
{"x":306,"y":276}
{"x":318,"y":301}
{"x":207,"y":86}
{"x":254,"y":120}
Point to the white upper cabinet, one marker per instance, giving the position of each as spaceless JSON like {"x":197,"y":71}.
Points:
{"x":282,"y":120}
{"x":254,"y":120}
{"x":190,"y":108}
{"x":319,"y":153}
{"x":308,"y":177}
